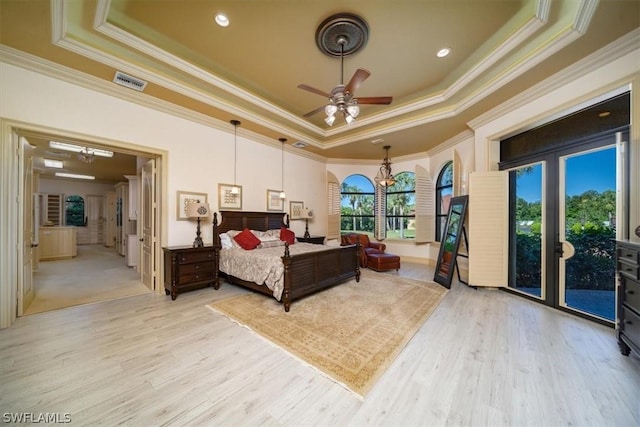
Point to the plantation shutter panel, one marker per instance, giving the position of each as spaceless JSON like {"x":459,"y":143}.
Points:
{"x":457,"y":174}
{"x":488,"y":232}
{"x":380,"y":212}
{"x":425,"y":222}
{"x":333,"y":207}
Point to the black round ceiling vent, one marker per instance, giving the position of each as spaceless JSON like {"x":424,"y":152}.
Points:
{"x":342,"y":34}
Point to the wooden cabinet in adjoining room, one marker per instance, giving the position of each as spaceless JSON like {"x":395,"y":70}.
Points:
{"x":57,"y":243}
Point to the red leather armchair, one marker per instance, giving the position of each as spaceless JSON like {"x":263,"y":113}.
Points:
{"x":366,"y":246}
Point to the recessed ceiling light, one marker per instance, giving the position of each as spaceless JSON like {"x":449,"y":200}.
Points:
{"x":377,"y":141}
{"x":299,"y":144}
{"x":73,"y":175}
{"x":443,"y":52}
{"x":50,"y":163}
{"x":222,"y":20}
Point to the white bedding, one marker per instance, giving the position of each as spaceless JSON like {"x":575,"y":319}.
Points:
{"x":262,"y":266}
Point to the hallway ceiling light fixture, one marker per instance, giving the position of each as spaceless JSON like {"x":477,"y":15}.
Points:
{"x":282,"y":195}
{"x":235,"y":123}
{"x":73,"y":175}
{"x":80,"y":149}
{"x":86,"y":156}
{"x":51,"y":163}
{"x":385,"y":177}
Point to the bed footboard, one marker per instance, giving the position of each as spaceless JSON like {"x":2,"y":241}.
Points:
{"x":311,"y":272}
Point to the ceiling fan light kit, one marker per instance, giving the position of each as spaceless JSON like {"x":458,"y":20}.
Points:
{"x":341,"y":35}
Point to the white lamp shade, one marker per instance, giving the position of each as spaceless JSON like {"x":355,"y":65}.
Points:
{"x":329,"y":120}
{"x":354,"y":110}
{"x":348,"y":118}
{"x":197,"y":210}
{"x":308,"y":213}
{"x":330,"y":109}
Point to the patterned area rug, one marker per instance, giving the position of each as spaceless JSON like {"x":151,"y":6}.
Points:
{"x":351,"y":332}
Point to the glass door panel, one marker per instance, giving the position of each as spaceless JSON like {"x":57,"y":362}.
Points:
{"x":587,"y":229}
{"x":527,"y":272}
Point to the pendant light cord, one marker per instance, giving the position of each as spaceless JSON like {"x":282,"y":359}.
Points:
{"x":235,"y":124}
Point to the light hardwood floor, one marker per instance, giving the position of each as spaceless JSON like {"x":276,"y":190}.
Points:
{"x":96,"y":274}
{"x":483,"y":358}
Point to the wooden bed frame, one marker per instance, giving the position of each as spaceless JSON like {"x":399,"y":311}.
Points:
{"x":304,"y":274}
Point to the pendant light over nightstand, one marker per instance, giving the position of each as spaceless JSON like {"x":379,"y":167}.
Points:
{"x":235,"y":123}
{"x":282,"y":195}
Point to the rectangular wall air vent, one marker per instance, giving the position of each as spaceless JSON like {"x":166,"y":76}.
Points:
{"x":129,"y":81}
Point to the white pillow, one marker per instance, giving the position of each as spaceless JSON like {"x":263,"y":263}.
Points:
{"x":270,"y":242}
{"x":226,"y":241}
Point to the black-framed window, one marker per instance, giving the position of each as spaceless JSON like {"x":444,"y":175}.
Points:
{"x":444,"y":193}
{"x":401,"y":207}
{"x":74,"y":211}
{"x":357,"y":198}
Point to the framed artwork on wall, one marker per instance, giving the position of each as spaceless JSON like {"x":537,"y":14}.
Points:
{"x":227,"y":199}
{"x":184,"y":198}
{"x":295,"y":210}
{"x":274,"y":202}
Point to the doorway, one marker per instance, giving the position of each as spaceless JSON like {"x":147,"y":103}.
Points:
{"x":97,"y":272}
{"x":562,"y":229}
{"x":568,"y":186}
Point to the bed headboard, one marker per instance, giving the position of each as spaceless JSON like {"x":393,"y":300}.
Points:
{"x":239,"y":220}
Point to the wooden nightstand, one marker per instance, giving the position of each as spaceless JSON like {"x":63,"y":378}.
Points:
{"x":187,"y":268}
{"x":317,"y":240}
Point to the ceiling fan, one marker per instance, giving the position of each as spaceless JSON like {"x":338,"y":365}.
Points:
{"x":348,"y":33}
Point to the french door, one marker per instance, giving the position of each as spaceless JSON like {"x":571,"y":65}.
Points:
{"x":563,"y":209}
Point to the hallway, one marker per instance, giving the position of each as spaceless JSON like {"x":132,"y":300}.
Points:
{"x":97,"y":274}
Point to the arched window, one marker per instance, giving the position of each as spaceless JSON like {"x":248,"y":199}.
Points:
{"x":444,"y":192}
{"x":74,"y":211}
{"x":356,"y":205}
{"x":401,"y":207}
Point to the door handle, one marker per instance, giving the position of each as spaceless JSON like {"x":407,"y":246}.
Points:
{"x":558,"y":249}
{"x":565,"y":249}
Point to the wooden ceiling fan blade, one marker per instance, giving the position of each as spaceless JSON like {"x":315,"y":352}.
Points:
{"x":314,"y":90}
{"x":311,"y":113}
{"x":380,"y":100}
{"x":358,"y":77}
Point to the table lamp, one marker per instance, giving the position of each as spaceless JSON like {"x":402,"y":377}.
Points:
{"x":197,"y":210}
{"x":307,"y":214}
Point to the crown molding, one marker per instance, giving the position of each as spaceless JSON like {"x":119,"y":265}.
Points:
{"x":59,"y":72}
{"x":615,"y":50}
{"x":101,"y":25}
{"x":451,"y":142}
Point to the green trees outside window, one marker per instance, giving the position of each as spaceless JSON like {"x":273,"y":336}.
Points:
{"x":74,"y":211}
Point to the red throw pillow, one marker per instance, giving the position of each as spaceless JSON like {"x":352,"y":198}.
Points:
{"x":287,"y":235}
{"x":247,"y":240}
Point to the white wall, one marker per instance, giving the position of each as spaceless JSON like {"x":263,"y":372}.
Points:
{"x":199,"y":156}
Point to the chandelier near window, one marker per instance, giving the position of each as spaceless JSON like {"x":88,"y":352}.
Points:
{"x":385,"y":177}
